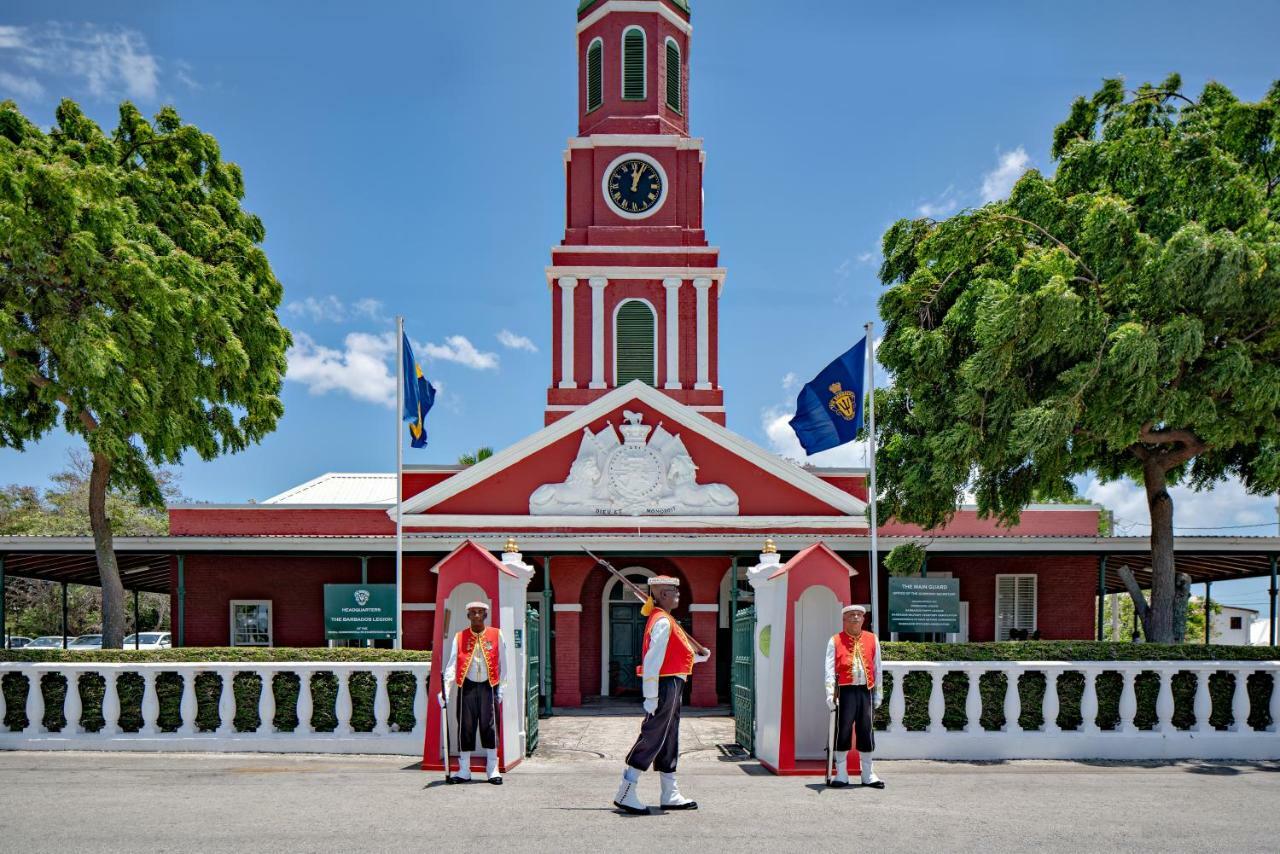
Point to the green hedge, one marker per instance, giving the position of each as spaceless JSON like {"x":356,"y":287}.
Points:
{"x":246,"y":685}
{"x":917,"y":687}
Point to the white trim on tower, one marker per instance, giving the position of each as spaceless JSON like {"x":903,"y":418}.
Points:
{"x":598,"y":284}
{"x":653,"y":6}
{"x":673,"y":332}
{"x":567,"y":285}
{"x":703,"y":285}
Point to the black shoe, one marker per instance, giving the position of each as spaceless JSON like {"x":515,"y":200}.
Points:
{"x":692,"y":805}
{"x":495,"y":781}
{"x":630,"y":810}
{"x":837,"y":784}
{"x":878,"y":784}
{"x":455,"y":779}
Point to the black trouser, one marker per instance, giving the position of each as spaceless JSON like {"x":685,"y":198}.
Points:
{"x":475,"y":706}
{"x":659,"y":741}
{"x":855,"y":714}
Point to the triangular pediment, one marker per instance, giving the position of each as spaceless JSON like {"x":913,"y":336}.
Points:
{"x":609,"y":457}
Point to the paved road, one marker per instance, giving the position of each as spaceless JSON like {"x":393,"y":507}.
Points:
{"x":65,"y":802}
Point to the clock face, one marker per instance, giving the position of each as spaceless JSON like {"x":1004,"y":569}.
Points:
{"x":634,"y":186}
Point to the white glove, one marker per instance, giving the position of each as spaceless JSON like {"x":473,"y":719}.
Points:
{"x":440,"y":699}
{"x":499,"y":693}
{"x":650,"y":705}
{"x":877,"y":699}
{"x":699,"y":657}
{"x":831,"y":702}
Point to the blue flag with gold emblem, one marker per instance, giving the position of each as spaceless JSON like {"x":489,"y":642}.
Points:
{"x":829,"y":408}
{"x":419,"y":395}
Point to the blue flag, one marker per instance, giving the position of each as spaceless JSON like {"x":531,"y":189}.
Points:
{"x":829,"y":408}
{"x":419,"y":395}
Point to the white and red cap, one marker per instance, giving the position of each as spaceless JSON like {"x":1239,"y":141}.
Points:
{"x":850,"y":608}
{"x":483,"y":605}
{"x":664,"y":580}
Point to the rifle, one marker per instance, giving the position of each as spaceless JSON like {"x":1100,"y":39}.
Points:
{"x":444,"y":711}
{"x":642,"y":595}
{"x":832,"y":715}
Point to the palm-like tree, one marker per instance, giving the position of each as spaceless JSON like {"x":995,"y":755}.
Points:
{"x":471,"y":459}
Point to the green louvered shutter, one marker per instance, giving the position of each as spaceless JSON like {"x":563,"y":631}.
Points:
{"x":673,"y":76}
{"x":633,"y":65}
{"x":595,"y":75}
{"x":634,"y":343}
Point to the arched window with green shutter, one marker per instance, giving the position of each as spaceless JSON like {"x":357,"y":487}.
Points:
{"x":595,"y":74}
{"x":634,"y":345}
{"x":674,"y":100}
{"x":633,"y":88}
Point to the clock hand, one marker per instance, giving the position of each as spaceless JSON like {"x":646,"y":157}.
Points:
{"x":636,"y":172}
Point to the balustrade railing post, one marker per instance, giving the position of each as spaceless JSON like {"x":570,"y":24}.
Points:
{"x":1164,"y":702}
{"x":381,"y":704}
{"x":937,"y":702}
{"x":897,"y":701}
{"x":1051,"y":703}
{"x":73,"y":705}
{"x":973,"y":701}
{"x":110,"y":702}
{"x":227,"y":702}
{"x":267,"y":703}
{"x":306,"y":705}
{"x":1203,"y":703}
{"x":1012,"y":702}
{"x":421,"y":679}
{"x":150,"y":703}
{"x":35,"y":702}
{"x":342,"y":705}
{"x":187,"y":707}
{"x":1275,"y":700}
{"x":1128,"y":699}
{"x":1240,"y":701}
{"x":1089,"y":703}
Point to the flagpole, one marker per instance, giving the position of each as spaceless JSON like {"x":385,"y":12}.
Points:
{"x":399,"y":411}
{"x":871,"y":487}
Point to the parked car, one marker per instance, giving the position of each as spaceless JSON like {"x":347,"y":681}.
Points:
{"x":86,"y":642}
{"x":149,"y":640}
{"x":46,"y":642}
{"x":16,"y":641}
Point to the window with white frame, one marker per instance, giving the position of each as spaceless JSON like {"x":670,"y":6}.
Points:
{"x":595,"y":74}
{"x":251,"y":622}
{"x":674,"y":89}
{"x":1015,"y":604}
{"x":633,"y":65}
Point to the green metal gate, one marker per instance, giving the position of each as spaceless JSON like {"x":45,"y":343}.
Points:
{"x":533,"y":680}
{"x":744,"y":678}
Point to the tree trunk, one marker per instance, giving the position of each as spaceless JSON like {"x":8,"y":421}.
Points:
{"x":1181,"y":599}
{"x":108,"y":570}
{"x":1158,"y":621}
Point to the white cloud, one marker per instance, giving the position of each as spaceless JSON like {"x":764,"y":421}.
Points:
{"x":1220,"y":510}
{"x":791,"y":381}
{"x":512,"y":341}
{"x":775,"y":421}
{"x":867,"y":257}
{"x":845,"y":268}
{"x":458,"y":349}
{"x":334,"y":310}
{"x":360,"y":369}
{"x":944,"y":204}
{"x":997,"y":183}
{"x":23,"y":87}
{"x":109,"y":62}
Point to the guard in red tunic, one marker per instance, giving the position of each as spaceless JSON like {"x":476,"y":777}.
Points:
{"x":479,"y":682}
{"x":853,"y":669}
{"x":668,"y":659}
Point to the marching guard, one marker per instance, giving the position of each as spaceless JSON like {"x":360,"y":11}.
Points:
{"x":479,"y":682}
{"x":853,"y":685}
{"x":668,"y":659}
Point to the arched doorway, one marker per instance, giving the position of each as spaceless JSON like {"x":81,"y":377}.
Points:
{"x":621,"y":635}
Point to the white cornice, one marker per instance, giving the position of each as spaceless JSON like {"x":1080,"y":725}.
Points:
{"x":652,"y":6}
{"x":574,"y":422}
{"x":716,"y":274}
{"x":637,"y":140}
{"x":656,"y":250}
{"x":851,"y":525}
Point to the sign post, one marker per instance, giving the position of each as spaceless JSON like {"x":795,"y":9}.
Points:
{"x":359,"y":611}
{"x":923,"y":605}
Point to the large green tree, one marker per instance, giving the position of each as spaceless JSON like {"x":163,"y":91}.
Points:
{"x":137,"y":308}
{"x":1120,"y":317}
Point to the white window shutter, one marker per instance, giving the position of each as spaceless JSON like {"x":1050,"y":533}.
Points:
{"x":1005,"y":606}
{"x":1025,"y":615}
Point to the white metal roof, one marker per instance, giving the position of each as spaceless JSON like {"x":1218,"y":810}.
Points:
{"x":343,"y":488}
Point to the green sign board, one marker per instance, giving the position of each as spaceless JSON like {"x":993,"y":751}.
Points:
{"x":359,"y":611}
{"x":924,"y":605}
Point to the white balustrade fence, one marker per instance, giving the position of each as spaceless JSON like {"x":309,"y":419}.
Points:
{"x":265,"y":738}
{"x":1088,"y":740}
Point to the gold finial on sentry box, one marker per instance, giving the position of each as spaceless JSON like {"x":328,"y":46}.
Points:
{"x":769,"y":547}
{"x":511,"y":547}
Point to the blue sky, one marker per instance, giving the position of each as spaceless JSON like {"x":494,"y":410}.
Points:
{"x":406,"y":159}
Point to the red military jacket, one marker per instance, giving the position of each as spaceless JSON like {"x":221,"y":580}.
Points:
{"x":467,"y":649}
{"x":849,"y":650}
{"x":678,"y":660}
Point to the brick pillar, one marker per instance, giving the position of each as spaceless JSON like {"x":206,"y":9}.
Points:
{"x":567,"y":690}
{"x":704,"y":674}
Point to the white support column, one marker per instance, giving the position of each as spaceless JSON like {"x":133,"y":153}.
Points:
{"x":567,"y":284}
{"x":703,"y":287}
{"x":597,"y":331}
{"x":673,"y":332}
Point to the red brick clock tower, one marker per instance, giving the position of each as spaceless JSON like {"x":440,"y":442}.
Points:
{"x":634,"y":285}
